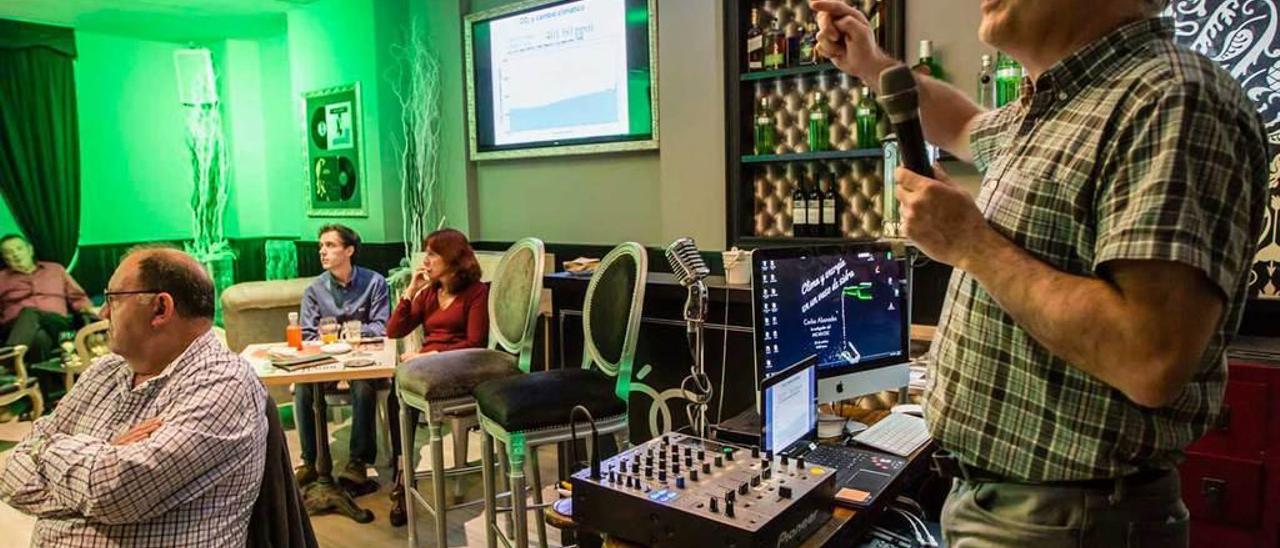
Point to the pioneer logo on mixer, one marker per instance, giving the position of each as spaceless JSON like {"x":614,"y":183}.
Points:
{"x":788,"y":537}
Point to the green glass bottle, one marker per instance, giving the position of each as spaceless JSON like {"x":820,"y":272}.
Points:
{"x":928,"y":65}
{"x":766,"y":137}
{"x":1008,"y":80}
{"x":866,"y":115}
{"x":819,"y":123}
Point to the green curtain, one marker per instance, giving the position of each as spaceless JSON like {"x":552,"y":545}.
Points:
{"x":39,"y":136}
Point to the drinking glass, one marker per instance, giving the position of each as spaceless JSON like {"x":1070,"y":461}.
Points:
{"x":328,"y":329}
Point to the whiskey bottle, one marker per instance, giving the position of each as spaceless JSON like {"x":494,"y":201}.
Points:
{"x":755,"y":42}
{"x":775,"y":47}
{"x":766,"y":136}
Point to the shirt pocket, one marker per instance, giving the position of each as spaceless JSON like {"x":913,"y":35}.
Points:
{"x":1047,"y":212}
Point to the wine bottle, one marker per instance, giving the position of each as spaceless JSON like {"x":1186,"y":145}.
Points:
{"x":799,"y":209}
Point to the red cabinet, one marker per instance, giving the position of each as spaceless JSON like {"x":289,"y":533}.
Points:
{"x":1231,"y":478}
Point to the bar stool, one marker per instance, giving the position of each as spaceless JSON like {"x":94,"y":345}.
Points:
{"x":525,"y":412}
{"x":440,"y":385}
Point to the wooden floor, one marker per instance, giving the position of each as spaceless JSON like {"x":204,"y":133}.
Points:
{"x":465,"y":525}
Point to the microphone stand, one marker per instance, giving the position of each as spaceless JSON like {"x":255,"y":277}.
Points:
{"x":695,"y":313}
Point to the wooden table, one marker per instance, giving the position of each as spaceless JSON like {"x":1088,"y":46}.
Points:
{"x":324,"y":495}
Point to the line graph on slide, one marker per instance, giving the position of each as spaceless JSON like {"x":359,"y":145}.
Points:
{"x":577,"y":86}
{"x":600,"y":107}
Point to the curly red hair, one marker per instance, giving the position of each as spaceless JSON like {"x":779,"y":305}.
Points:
{"x":452,"y":246}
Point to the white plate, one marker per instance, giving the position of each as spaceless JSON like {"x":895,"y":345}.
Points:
{"x":336,"y":348}
{"x":284,"y":351}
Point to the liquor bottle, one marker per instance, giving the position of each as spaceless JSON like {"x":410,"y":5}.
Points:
{"x":775,"y":47}
{"x":1008,"y":80}
{"x":867,"y":115}
{"x":830,"y":206}
{"x":819,"y":123}
{"x":766,"y":137}
{"x":809,"y":45}
{"x":987,"y":84}
{"x":816,"y":222}
{"x":755,"y":42}
{"x":927,"y":65}
{"x":799,"y":209}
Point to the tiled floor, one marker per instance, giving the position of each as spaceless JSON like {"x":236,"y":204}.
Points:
{"x":466,"y":525}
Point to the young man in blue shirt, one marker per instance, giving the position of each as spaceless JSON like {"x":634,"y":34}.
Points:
{"x":345,"y":292}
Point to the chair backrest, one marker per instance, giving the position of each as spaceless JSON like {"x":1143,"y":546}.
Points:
{"x":91,"y":341}
{"x":611,"y":313}
{"x":513,"y":299}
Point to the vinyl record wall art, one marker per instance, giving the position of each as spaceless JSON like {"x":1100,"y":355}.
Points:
{"x":335,"y":178}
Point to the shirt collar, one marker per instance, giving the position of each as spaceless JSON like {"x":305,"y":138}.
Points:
{"x":1068,"y":76}
{"x":332,"y":282}
{"x":124,"y":375}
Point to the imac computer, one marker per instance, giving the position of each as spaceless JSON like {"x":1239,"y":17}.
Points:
{"x":847,"y":304}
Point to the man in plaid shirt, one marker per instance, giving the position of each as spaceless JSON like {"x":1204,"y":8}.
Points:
{"x":160,"y":443}
{"x":1098,"y":277}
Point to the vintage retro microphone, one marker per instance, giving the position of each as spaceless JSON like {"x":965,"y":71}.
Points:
{"x":690,"y":271}
{"x":900,"y":98}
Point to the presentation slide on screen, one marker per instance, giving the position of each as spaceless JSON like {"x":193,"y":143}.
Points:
{"x":789,"y":405}
{"x":845,"y":309}
{"x":560,"y":73}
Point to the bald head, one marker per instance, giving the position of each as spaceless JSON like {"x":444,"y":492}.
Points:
{"x":176,"y":273}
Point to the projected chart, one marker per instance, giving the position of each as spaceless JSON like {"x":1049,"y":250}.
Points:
{"x":560,"y":73}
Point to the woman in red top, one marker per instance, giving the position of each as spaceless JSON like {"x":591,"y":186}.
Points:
{"x":449,"y":302}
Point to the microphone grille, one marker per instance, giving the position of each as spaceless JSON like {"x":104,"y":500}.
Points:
{"x":686,"y":263}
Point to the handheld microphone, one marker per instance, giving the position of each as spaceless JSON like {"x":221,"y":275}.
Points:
{"x":900,"y":98}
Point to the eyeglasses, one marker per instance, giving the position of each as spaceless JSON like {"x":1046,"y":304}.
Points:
{"x":108,"y":295}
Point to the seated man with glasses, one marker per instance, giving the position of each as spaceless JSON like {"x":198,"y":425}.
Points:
{"x":160,"y":443}
{"x":344,"y":292}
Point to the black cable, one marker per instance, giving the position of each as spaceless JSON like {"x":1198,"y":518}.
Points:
{"x":573,"y":445}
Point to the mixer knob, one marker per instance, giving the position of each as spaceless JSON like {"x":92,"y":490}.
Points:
{"x":648,"y":471}
{"x":662,"y":475}
{"x":693,"y":474}
{"x":784,"y":492}
{"x":730,"y":496}
{"x":767,"y":473}
{"x":755,"y":480}
{"x":706,"y":468}
{"x":742,"y":489}
{"x":702,"y":454}
{"x":688,"y":461}
{"x":648,"y":460}
{"x":675,"y":467}
{"x":755,"y":452}
{"x":768,"y":455}
{"x":719,"y":461}
{"x":635,"y":467}
{"x":728,"y":509}
{"x":715,"y":505}
{"x":800,"y":463}
{"x":784,"y":460}
{"x":680,"y":482}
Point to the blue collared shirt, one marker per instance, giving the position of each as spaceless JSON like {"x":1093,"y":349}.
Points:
{"x":364,"y":298}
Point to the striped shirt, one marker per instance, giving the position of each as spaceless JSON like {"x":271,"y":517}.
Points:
{"x":1131,"y":148}
{"x":192,"y":482}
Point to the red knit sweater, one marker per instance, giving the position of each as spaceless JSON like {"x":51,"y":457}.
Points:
{"x":465,"y":324}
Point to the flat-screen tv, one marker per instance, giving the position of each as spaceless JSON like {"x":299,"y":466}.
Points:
{"x":556,"y":77}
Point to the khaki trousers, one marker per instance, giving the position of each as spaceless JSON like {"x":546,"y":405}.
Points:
{"x":980,"y":514}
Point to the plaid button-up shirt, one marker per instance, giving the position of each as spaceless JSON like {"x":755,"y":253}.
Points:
{"x":1131,"y":148}
{"x":193,"y":482}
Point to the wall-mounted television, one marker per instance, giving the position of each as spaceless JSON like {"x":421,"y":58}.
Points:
{"x":559,"y":77}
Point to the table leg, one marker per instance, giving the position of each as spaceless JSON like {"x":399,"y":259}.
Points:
{"x":324,"y":494}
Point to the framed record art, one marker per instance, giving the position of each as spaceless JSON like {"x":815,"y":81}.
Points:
{"x":334,"y":140}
